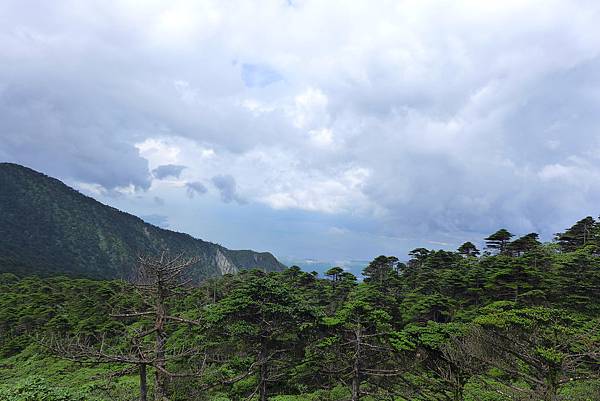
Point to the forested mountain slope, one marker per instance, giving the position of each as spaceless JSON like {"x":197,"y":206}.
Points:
{"x":48,"y":228}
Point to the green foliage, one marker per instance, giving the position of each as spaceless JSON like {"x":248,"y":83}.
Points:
{"x":36,"y":388}
{"x":338,"y":393}
{"x":584,"y":232}
{"x":499,"y":240}
{"x":468,"y":249}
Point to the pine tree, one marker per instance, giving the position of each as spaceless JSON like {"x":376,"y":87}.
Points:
{"x":266,"y":318}
{"x":361,"y":346}
{"x":523,"y":244}
{"x":468,"y":249}
{"x":539,"y":349}
{"x":380,"y":269}
{"x":334,"y":273}
{"x":499,"y":240}
{"x":580,"y":234}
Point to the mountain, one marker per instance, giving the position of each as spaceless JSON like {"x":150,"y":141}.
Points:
{"x":48,"y":228}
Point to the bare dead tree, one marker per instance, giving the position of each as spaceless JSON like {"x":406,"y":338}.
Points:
{"x":157,"y":281}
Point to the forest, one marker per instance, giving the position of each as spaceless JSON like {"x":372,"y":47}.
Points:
{"x":517,"y":320}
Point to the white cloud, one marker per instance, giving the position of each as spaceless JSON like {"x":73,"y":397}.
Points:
{"x":554,"y":171}
{"x":310,"y":109}
{"x":321,"y":137}
{"x":158,"y":151}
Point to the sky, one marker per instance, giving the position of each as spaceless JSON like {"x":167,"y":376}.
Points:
{"x":332,"y":130}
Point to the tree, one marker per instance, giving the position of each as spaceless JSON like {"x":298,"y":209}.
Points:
{"x":468,"y":249}
{"x":429,"y":287}
{"x":511,"y":278}
{"x":262,"y":320}
{"x":334,"y":273}
{"x":446,"y":362}
{"x":499,"y":240}
{"x":580,"y":234}
{"x":538,"y":349}
{"x":418,"y":255}
{"x":361,"y":347}
{"x":523,"y":244}
{"x":342,"y":283}
{"x":158,"y":280}
{"x":380,"y":269}
{"x":574,"y":281}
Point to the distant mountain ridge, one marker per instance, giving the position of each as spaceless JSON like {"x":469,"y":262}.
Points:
{"x":48,"y":228}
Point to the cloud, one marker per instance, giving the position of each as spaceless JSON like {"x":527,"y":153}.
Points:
{"x":430,"y":121}
{"x":195,"y":188}
{"x":66,"y":135}
{"x":168,"y":170}
{"x":227,"y":188}
{"x":157,"y":220}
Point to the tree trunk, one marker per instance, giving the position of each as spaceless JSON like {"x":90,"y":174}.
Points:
{"x":264,"y":372}
{"x":160,"y":392}
{"x":356,"y":367}
{"x":263,"y":382}
{"x":143,"y":383}
{"x":551,"y":389}
{"x":355,"y":388}
{"x":458,"y":394}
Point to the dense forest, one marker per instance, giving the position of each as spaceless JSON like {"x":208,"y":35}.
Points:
{"x":518,"y":320}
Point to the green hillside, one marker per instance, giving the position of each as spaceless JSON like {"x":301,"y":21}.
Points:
{"x":48,"y":228}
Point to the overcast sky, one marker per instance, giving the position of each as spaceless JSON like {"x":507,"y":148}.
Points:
{"x":324,"y":129}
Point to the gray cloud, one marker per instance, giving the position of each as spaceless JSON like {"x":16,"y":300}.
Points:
{"x":444,"y":124}
{"x":227,"y":188}
{"x":195,"y":188}
{"x":67,"y":137}
{"x":168,"y":170}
